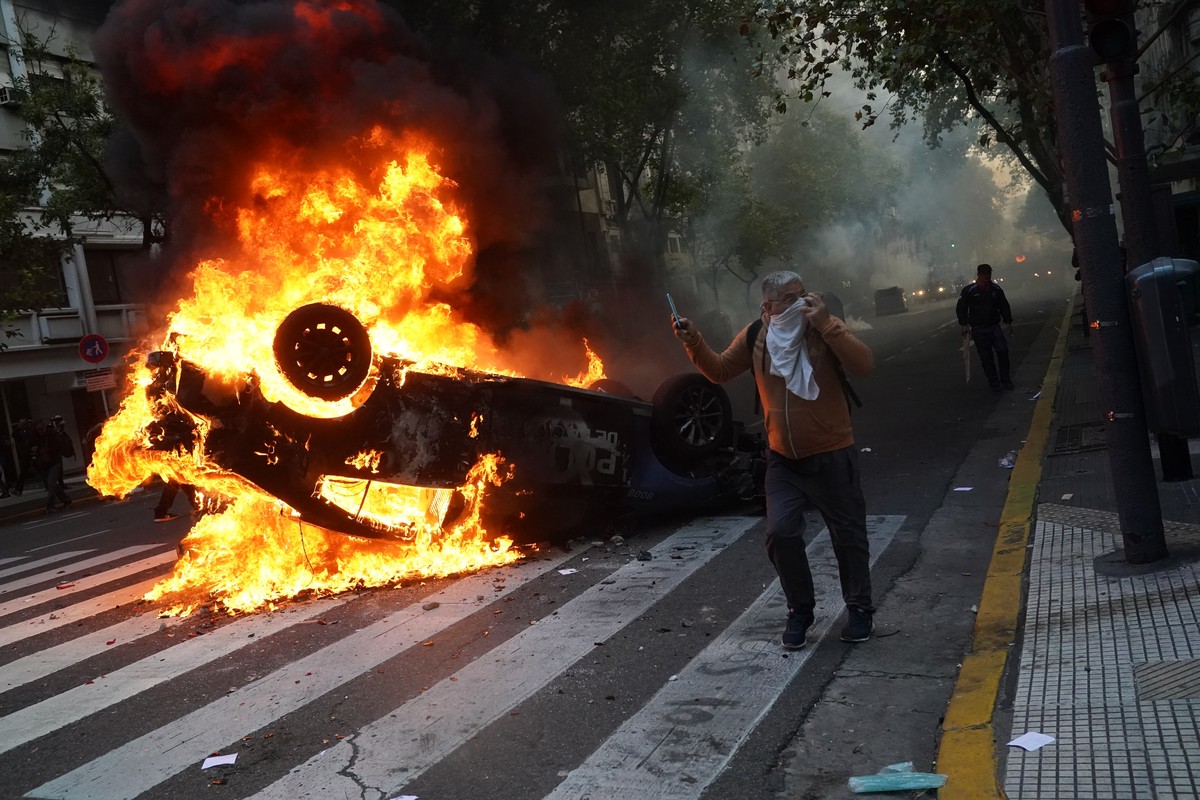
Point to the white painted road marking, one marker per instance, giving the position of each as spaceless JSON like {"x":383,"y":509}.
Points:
{"x":68,"y":541}
{"x":681,"y":740}
{"x":45,"y":562}
{"x":72,"y":705}
{"x":404,"y":743}
{"x":73,"y":613}
{"x":99,"y":579}
{"x":151,"y":759}
{"x":77,"y":567}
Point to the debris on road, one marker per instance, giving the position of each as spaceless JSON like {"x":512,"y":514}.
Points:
{"x":896,"y":777}
{"x":1033,"y":740}
{"x":219,"y":760}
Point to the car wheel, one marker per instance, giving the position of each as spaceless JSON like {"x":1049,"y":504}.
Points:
{"x":323,"y":350}
{"x":692,"y":417}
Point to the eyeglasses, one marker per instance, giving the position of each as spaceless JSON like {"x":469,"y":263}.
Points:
{"x":775,"y":306}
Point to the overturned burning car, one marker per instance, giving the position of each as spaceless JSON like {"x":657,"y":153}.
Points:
{"x":403,"y":457}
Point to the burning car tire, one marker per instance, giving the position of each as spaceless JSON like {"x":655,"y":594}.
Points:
{"x":323,"y":350}
{"x":692,"y":417}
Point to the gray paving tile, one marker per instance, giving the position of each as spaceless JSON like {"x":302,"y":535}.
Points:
{"x":1086,"y":635}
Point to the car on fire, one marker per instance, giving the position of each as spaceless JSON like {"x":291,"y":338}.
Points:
{"x":579,"y":457}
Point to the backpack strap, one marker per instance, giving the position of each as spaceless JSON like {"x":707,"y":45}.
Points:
{"x":755,"y":328}
{"x":752,"y":332}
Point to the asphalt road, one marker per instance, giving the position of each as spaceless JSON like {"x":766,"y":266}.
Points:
{"x":626,"y":678}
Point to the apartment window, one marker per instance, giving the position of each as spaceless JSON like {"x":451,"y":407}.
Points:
{"x":104,"y":275}
{"x":674,"y":246}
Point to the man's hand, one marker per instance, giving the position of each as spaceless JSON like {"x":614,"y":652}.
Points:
{"x":1008,"y":330}
{"x":966,"y":330}
{"x":687,"y":332}
{"x":815,"y":309}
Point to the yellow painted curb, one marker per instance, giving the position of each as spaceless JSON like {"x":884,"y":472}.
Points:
{"x":967,"y":750}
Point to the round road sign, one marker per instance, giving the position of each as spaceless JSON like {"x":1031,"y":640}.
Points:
{"x":93,"y":348}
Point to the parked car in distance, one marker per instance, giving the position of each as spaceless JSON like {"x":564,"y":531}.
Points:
{"x":890,"y":301}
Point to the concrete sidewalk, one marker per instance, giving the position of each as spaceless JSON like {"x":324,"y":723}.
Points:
{"x":1072,"y":642}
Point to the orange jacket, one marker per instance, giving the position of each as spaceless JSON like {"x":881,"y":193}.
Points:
{"x":795,"y":427}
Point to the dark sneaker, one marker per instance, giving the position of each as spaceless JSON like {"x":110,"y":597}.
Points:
{"x":165,"y":517}
{"x":859,"y":628}
{"x":1006,"y":384}
{"x":997,"y":387}
{"x":796,"y":631}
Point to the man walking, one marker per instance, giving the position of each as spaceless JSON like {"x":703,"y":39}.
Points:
{"x":982,"y":308}
{"x":47,"y":460}
{"x":796,"y":352}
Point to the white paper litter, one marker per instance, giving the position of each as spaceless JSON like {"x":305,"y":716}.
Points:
{"x":568,"y":571}
{"x":1031,"y":741}
{"x":218,"y":761}
{"x":963,"y":488}
{"x":1068,"y":496}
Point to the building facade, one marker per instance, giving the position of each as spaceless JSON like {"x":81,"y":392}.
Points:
{"x":47,"y":368}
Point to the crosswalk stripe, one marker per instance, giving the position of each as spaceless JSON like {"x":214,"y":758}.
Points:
{"x":73,"y":613}
{"x":52,"y":659}
{"x":49,"y":715}
{"x":73,"y":539}
{"x":79,"y":566}
{"x":43,"y":562}
{"x":79,"y":585}
{"x":678,"y":743}
{"x":12,"y":560}
{"x":404,"y":743}
{"x":128,"y":771}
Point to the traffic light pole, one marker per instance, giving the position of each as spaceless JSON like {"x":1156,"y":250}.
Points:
{"x":1081,"y":145}
{"x":1137,"y":212}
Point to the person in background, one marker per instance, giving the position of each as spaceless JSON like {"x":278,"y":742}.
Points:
{"x":796,"y":352}
{"x":8,"y":465}
{"x":47,"y":460}
{"x":162,"y":511}
{"x":22,"y":434}
{"x":65,"y":445}
{"x":982,"y":309}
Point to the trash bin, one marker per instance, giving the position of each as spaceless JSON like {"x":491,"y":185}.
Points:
{"x":1159,"y":313}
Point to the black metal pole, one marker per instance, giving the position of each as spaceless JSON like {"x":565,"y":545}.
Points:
{"x":1081,"y":145}
{"x":1137,"y":213}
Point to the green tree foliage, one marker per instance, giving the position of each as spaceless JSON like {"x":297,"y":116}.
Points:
{"x":945,"y":63}
{"x":808,"y":173}
{"x":57,"y":181}
{"x":659,"y":91}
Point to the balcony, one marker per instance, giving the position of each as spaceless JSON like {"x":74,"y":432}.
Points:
{"x":58,"y":326}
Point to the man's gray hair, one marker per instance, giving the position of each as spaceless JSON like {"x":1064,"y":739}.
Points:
{"x":774,"y":284}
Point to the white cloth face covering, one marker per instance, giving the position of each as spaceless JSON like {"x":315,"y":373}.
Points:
{"x":789,"y":353}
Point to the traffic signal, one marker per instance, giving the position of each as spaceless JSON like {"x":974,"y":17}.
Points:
{"x":1112,"y":33}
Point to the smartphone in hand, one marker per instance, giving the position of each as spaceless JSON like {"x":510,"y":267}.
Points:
{"x":674,"y":312}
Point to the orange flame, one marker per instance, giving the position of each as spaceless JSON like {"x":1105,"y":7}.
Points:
{"x":380,"y":247}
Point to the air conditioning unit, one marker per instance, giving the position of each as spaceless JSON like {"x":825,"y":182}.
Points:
{"x":8,"y":97}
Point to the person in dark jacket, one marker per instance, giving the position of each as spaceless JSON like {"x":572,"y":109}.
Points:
{"x":984,"y":315}
{"x":47,"y":460}
{"x":22,"y":434}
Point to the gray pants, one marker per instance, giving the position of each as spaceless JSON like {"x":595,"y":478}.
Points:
{"x":830,"y":483}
